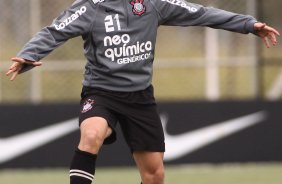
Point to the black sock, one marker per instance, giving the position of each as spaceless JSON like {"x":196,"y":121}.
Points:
{"x":82,"y":168}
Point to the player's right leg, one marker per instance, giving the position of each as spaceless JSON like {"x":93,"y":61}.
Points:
{"x":94,"y":131}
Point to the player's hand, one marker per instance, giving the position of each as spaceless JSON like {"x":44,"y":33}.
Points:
{"x":18,"y":64}
{"x":266,"y":33}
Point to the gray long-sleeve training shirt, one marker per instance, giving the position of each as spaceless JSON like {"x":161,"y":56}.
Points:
{"x":119,"y":36}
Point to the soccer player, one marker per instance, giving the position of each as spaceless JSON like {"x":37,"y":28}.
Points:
{"x":119,"y":45}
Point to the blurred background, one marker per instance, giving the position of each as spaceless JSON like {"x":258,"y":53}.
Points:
{"x":205,"y":71}
{"x":207,"y":64}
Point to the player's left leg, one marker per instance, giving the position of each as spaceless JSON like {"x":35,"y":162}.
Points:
{"x":151,"y":167}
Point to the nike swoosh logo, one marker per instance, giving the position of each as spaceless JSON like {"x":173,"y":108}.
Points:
{"x":176,"y":146}
{"x":180,"y":145}
{"x":17,"y":145}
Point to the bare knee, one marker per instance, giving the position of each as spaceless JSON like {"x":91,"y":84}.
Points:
{"x":93,"y":133}
{"x":153,"y":176}
{"x":91,"y":141}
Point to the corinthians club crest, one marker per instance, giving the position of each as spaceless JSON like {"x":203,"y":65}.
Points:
{"x":138,"y":7}
{"x":87,"y":105}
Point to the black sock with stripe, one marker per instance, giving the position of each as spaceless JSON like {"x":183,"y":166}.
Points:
{"x":82,"y":168}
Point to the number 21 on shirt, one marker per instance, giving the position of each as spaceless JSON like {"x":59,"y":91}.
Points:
{"x":112,"y":22}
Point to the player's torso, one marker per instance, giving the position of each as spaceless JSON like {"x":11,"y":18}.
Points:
{"x":120,"y":52}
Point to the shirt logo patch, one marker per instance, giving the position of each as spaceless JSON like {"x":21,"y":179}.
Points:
{"x":138,"y":7}
{"x":97,"y":1}
{"x":87,"y":105}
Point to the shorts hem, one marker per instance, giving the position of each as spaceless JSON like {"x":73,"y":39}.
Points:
{"x":147,"y":149}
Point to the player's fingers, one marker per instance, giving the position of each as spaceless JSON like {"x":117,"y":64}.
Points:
{"x":273,"y":39}
{"x":266,"y":42}
{"x":15,"y":72}
{"x":10,"y":71}
{"x":272,"y":30}
{"x":14,"y":67}
{"x":264,"y":30}
{"x":14,"y":75}
{"x":276,"y":32}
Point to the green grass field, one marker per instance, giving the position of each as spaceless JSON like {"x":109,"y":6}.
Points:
{"x":194,"y":174}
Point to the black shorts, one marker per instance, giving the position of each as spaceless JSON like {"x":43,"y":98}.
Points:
{"x":136,"y":112}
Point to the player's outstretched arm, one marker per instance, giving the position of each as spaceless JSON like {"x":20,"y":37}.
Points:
{"x":18,"y":64}
{"x":266,"y":33}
